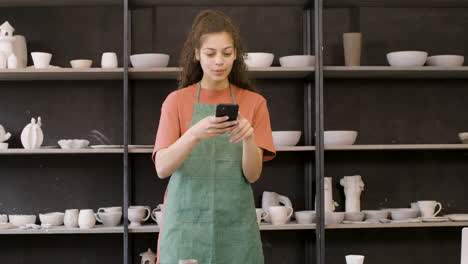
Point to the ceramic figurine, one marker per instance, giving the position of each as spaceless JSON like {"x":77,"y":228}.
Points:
{"x":32,"y":135}
{"x":328,"y":197}
{"x":6,"y":41}
{"x":4,"y":136}
{"x":148,"y":257}
{"x":273,"y":199}
{"x":353,"y":186}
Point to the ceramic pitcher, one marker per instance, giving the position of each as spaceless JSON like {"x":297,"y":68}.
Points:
{"x":273,"y":199}
{"x":353,"y":186}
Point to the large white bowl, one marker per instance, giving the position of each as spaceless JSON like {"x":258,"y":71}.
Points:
{"x":340,"y":137}
{"x":53,"y":219}
{"x":258,"y":59}
{"x":407,"y":58}
{"x":22,"y":220}
{"x":305,"y":217}
{"x":297,"y":61}
{"x":376,"y":214}
{"x":463,"y":137}
{"x":445,"y":60}
{"x":73,"y":143}
{"x":149,"y":60}
{"x":333,"y":218}
{"x":81,"y":64}
{"x":402,"y":214}
{"x":286,"y":138}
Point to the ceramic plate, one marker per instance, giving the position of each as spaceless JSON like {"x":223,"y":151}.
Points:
{"x":435,"y":219}
{"x":458,"y":217}
{"x":106,"y":146}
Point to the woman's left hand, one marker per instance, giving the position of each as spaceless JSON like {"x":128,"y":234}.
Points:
{"x":242,"y":131}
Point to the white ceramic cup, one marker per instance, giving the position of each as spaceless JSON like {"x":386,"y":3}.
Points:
{"x":86,"y":219}
{"x":427,"y":208}
{"x":157,"y":214}
{"x":354,"y":259}
{"x":41,"y":60}
{"x":352,"y":43}
{"x":279,"y":215}
{"x":70,"y":218}
{"x":109,"y":60}
{"x":138,"y":214}
{"x":113,"y":209}
{"x":261,"y":215}
{"x":3,"y":219}
{"x":109,"y":218}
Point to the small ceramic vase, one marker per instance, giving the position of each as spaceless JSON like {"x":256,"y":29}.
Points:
{"x":32,"y":135}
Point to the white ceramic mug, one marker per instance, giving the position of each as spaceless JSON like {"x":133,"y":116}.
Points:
{"x":113,"y":209}
{"x":427,"y":208}
{"x":41,"y":60}
{"x":354,"y":259}
{"x":279,"y":215}
{"x":138,"y":214}
{"x":157,"y":214}
{"x":109,"y":60}
{"x":261,"y":215}
{"x":70,"y":218}
{"x":86,"y":218}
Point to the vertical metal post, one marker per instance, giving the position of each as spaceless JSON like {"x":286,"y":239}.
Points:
{"x":319,"y":127}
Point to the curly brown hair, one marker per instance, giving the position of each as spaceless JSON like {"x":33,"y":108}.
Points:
{"x":206,"y":22}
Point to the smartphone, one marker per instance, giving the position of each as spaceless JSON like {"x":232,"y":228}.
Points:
{"x":230,"y":110}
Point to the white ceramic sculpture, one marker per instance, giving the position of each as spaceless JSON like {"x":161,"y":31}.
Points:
{"x":328,"y":193}
{"x":4,"y":136}
{"x":353,"y":186}
{"x":270,"y":199}
{"x":32,"y":135}
{"x":6,"y":42}
{"x":148,"y":257}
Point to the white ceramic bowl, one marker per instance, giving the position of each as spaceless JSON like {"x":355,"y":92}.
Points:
{"x":53,"y":219}
{"x":22,"y":220}
{"x":354,"y":216}
{"x":463,"y":137}
{"x":109,"y":218}
{"x":404,"y":213}
{"x":337,"y":137}
{"x":407,"y":58}
{"x":149,"y":60}
{"x":445,"y":60}
{"x":258,"y":59}
{"x":297,"y":61}
{"x":376,"y":214}
{"x":286,"y":138}
{"x":41,"y":60}
{"x":73,"y":143}
{"x":305,"y":217}
{"x":332,"y":218}
{"x":81,"y":64}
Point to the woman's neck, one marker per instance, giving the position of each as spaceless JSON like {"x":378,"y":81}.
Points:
{"x":214,"y":85}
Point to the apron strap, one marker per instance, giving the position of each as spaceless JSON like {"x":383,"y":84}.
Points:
{"x":230,"y":89}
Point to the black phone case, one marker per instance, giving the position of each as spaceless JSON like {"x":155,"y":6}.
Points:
{"x":230,"y":110}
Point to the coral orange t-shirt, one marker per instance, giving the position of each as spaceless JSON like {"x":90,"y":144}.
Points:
{"x":177,"y":110}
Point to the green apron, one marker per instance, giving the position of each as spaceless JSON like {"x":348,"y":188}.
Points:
{"x":210,"y":212}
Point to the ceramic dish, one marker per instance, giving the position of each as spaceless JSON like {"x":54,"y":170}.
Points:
{"x":297,"y":61}
{"x":435,"y":219}
{"x":286,"y":138}
{"x":445,"y":60}
{"x":258,"y":59}
{"x":407,"y":58}
{"x":106,"y":146}
{"x":458,"y":217}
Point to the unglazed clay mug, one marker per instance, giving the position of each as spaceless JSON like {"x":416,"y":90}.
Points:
{"x":86,"y":218}
{"x":427,"y":208}
{"x":70,"y":218}
{"x":279,"y":215}
{"x":354,"y":259}
{"x":261,"y":215}
{"x":352,"y":48}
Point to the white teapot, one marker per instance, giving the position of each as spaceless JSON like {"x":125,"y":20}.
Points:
{"x":32,"y":135}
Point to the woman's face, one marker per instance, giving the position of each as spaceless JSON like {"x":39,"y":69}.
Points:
{"x":216,"y":55}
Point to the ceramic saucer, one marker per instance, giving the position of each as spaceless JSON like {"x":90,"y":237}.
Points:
{"x":435,"y":219}
{"x":140,"y":146}
{"x":458,"y":217}
{"x":106,"y":146}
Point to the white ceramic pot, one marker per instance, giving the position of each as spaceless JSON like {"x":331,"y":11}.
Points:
{"x":337,"y":137}
{"x":297,"y":61}
{"x":86,"y":219}
{"x":305,"y":217}
{"x":258,"y":59}
{"x":81,"y":64}
{"x":41,"y":60}
{"x":286,"y":138}
{"x":407,"y":58}
{"x":354,"y":259}
{"x":53,"y":219}
{"x":149,"y":60}
{"x":403,"y":213}
{"x":109,"y":60}
{"x":445,"y":60}
{"x":70,"y":219}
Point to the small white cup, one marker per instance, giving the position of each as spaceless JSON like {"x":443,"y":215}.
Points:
{"x":70,"y":219}
{"x":86,"y":219}
{"x":427,"y":208}
{"x":157,"y":214}
{"x":41,"y":60}
{"x":261,"y":215}
{"x":354,"y":259}
{"x":279,"y":215}
{"x":109,"y":60}
{"x":3,"y":219}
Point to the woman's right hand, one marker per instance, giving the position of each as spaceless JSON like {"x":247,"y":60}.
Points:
{"x":212,"y":126}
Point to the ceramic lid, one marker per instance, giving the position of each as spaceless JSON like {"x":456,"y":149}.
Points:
{"x":148,"y":254}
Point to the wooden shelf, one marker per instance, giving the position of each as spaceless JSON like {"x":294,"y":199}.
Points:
{"x":399,"y":225}
{"x":149,"y":149}
{"x":395,"y":3}
{"x":219,"y":2}
{"x":62,"y":230}
{"x":399,"y":147}
{"x":40,"y":3}
{"x":153,"y":228}
{"x":259,"y":73}
{"x":65,"y":74}
{"x":424,"y":72}
{"x":46,"y":151}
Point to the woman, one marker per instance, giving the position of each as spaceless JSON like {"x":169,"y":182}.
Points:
{"x":209,"y":210}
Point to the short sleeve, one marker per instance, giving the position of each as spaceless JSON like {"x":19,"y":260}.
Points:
{"x":262,"y":129}
{"x":169,"y":124}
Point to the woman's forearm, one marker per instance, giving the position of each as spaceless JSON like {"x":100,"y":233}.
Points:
{"x":251,"y":159}
{"x":168,"y":160}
